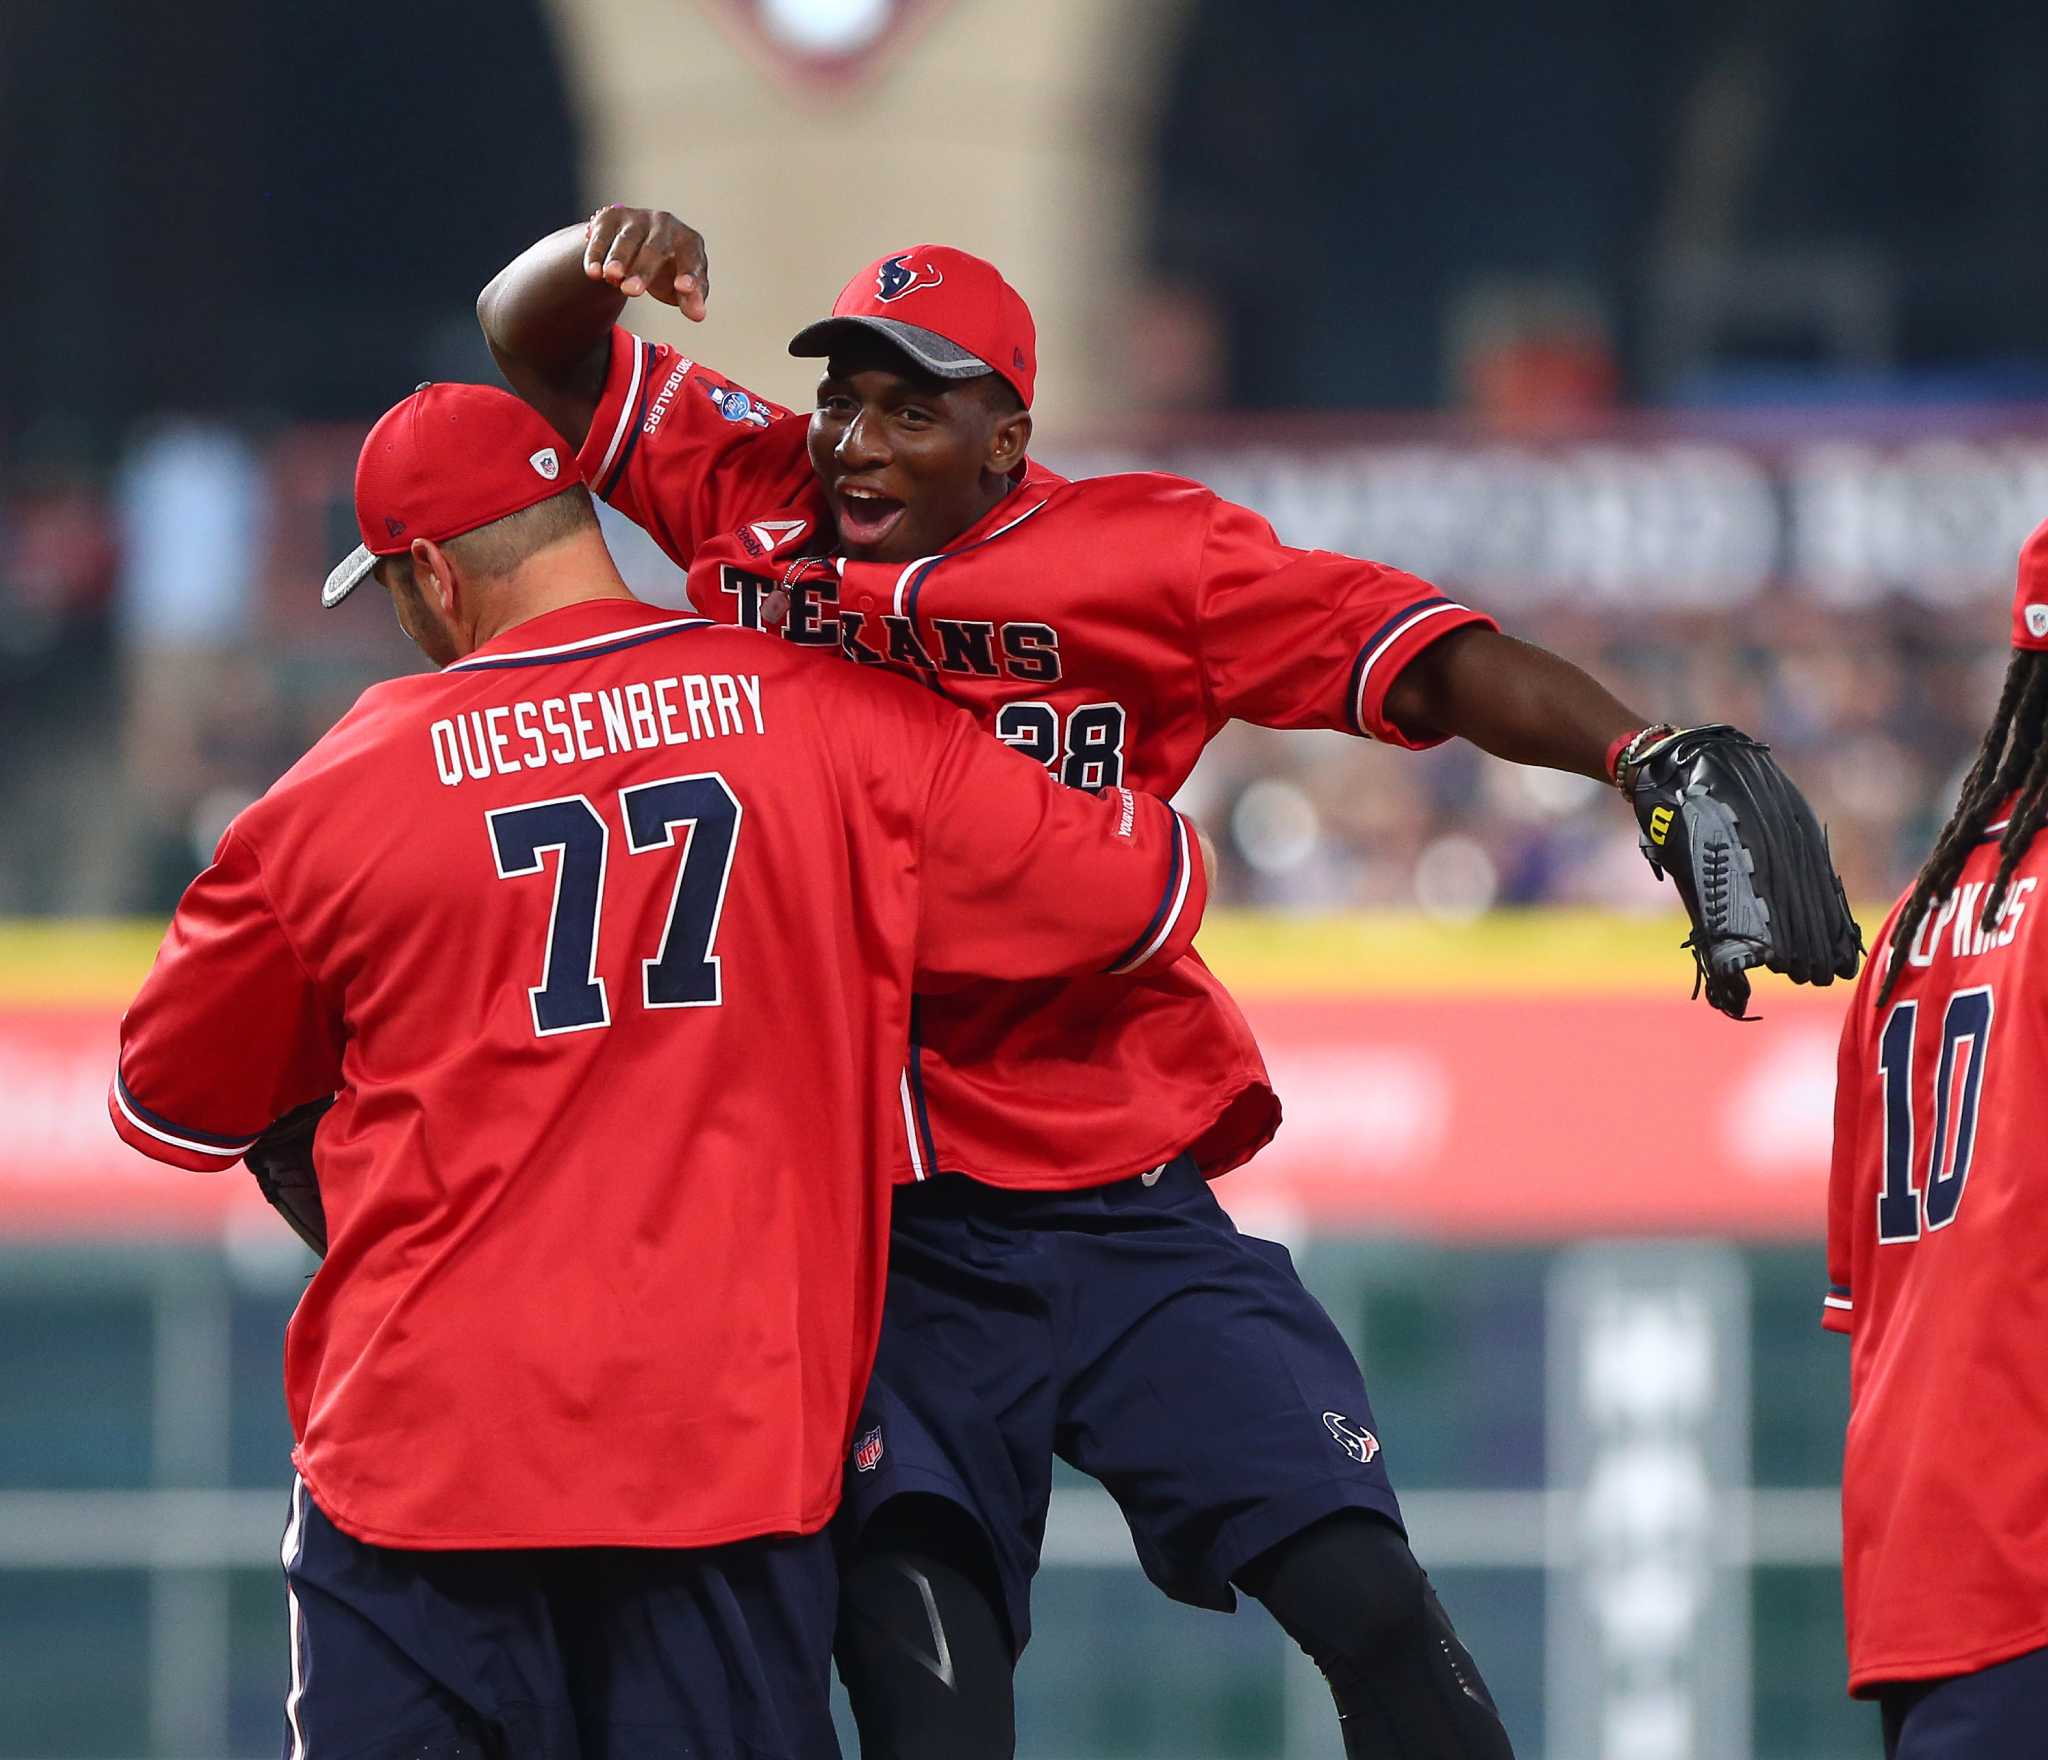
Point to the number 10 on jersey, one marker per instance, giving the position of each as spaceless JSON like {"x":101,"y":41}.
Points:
{"x":1952,"y":1139}
{"x":683,"y":972}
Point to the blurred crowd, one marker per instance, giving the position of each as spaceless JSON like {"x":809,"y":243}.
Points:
{"x":162,"y":659}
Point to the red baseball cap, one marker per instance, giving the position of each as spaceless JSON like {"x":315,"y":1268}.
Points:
{"x":952,"y":313}
{"x":448,"y":459}
{"x":2030,"y":597}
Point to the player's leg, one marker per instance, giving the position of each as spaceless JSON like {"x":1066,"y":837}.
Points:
{"x":947,"y":1484}
{"x":1216,"y":1401}
{"x":923,"y":1646}
{"x":1994,"y":1713}
{"x":399,"y":1655}
{"x":1350,"y":1593}
{"x":718,"y":1650}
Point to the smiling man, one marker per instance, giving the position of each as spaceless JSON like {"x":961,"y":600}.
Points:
{"x":1062,"y":1280}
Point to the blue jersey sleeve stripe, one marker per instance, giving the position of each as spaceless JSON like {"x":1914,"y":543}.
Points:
{"x":917,"y":584}
{"x":179,"y":1135}
{"x":646,"y":376}
{"x":1169,"y":900}
{"x":1370,"y":647}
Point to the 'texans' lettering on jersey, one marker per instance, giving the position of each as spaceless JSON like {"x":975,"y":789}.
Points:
{"x":532,"y":733}
{"x":971,"y":647}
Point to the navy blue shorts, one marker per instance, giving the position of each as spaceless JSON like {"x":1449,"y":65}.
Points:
{"x":614,"y":1653}
{"x":1133,"y":1331}
{"x":1997,"y":1713}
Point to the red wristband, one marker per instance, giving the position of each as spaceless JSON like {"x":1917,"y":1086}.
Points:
{"x":1620,"y":744}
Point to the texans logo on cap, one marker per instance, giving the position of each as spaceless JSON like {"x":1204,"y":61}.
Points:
{"x":895,"y":277}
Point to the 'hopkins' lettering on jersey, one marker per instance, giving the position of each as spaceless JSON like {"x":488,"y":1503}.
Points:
{"x":532,"y":733}
{"x":1960,"y":914}
{"x":971,"y":647}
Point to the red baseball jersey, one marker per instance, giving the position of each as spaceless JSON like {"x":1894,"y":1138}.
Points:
{"x":1938,"y":1271}
{"x":1107,"y":629}
{"x":607,"y":936}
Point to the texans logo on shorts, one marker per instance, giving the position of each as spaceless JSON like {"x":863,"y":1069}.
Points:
{"x":898,"y":276}
{"x":1360,"y":1445}
{"x":867,"y":1453}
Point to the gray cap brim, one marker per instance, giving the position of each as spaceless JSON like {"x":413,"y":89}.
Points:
{"x":345,"y":576}
{"x":928,"y":348}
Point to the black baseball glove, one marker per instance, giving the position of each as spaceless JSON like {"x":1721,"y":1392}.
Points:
{"x":1749,"y":859}
{"x":282,"y":1162}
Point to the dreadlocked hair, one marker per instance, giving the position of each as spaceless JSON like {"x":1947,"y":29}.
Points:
{"x":2013,"y":761}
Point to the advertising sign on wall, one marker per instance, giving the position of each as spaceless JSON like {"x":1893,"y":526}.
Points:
{"x":1432,"y":1083}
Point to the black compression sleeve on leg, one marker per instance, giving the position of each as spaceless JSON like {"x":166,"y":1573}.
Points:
{"x":923,"y":1645}
{"x":1350,"y":1593}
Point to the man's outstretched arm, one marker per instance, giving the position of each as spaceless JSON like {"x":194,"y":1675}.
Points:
{"x":548,"y":314}
{"x":1512,"y":699}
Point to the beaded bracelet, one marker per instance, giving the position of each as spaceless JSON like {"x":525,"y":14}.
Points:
{"x":1627,"y":748}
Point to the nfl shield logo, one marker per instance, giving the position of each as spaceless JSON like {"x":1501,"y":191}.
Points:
{"x":828,"y":42}
{"x":867,"y":1453}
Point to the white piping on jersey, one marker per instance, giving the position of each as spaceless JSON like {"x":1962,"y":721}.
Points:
{"x":910,"y":1129}
{"x":1393,"y":636}
{"x":1180,"y":898}
{"x":1842,"y":1302}
{"x":610,"y":635}
{"x":229,"y":1153}
{"x":903,"y":579}
{"x":2000,"y":826}
{"x":625,"y":410}
{"x":290,"y":1552}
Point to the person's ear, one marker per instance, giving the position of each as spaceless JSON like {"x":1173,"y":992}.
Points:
{"x":435,"y":574}
{"x":1008,"y":442}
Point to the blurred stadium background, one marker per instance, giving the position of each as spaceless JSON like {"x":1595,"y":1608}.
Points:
{"x":1701,"y":341}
